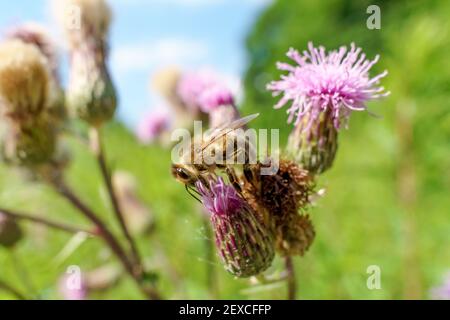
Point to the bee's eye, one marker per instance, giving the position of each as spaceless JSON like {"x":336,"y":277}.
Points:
{"x":182,"y":174}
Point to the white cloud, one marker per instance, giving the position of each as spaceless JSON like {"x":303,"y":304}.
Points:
{"x":164,"y":51}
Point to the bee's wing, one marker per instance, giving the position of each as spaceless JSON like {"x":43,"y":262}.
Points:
{"x":225,"y":129}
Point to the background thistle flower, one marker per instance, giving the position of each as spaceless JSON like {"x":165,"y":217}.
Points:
{"x":24,"y":82}
{"x":38,"y":36}
{"x":244,"y":244}
{"x":91,"y":94}
{"x":10,"y":232}
{"x":25,"y":100}
{"x":324,"y":89}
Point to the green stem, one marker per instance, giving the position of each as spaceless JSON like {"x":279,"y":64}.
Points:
{"x":97,"y":146}
{"x":107,"y":236}
{"x":291,"y":280}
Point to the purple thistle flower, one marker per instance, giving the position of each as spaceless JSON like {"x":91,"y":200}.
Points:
{"x":214,"y":97}
{"x":221,"y":199}
{"x":152,"y":126}
{"x":203,"y":90}
{"x":338,"y":81}
{"x":245,"y":245}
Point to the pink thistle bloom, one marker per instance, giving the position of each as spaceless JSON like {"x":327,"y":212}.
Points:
{"x":203,"y":90}
{"x":214,"y":97}
{"x":338,"y":81}
{"x":152,"y":126}
{"x":221,"y":199}
{"x":245,"y":245}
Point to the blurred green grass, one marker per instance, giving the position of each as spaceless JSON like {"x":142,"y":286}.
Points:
{"x":368,"y":216}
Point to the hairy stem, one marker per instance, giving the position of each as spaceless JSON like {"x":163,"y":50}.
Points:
{"x":97,"y":146}
{"x":291,"y":280}
{"x":108,"y":237}
{"x":44,"y":221}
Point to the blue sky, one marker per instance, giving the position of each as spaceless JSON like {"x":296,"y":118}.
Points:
{"x":149,"y":34}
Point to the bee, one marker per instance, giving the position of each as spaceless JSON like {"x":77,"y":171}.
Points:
{"x":220,"y":148}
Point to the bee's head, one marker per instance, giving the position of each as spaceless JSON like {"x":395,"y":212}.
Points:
{"x":183,"y":174}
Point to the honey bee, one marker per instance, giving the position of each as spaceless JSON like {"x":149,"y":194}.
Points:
{"x":221,"y":148}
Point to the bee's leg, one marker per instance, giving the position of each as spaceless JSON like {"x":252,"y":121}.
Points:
{"x":234,"y":180}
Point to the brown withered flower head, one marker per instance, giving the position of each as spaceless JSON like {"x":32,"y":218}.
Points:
{"x":37,"y":35}
{"x":25,"y":101}
{"x":287,"y":191}
{"x":284,"y":196}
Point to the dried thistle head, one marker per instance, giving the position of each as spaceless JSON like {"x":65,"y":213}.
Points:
{"x":84,"y":21}
{"x":244,"y":243}
{"x":295,"y":235}
{"x":286,"y":191}
{"x":24,"y":82}
{"x":165,"y":82}
{"x":37,"y":35}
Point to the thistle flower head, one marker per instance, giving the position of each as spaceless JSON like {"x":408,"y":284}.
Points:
{"x":153,"y":125}
{"x":338,"y":81}
{"x":94,"y":20}
{"x":221,"y":199}
{"x":203,"y":90}
{"x":36,"y":34}
{"x":165,"y":81}
{"x":214,"y":97}
{"x":24,"y":81}
{"x":245,"y":244}
{"x":10,"y":232}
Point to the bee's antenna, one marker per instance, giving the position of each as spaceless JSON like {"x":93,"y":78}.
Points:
{"x":190,"y":190}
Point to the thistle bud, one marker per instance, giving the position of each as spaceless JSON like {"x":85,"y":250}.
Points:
{"x":313,"y":144}
{"x":90,"y":94}
{"x":10,"y":232}
{"x":295,"y":235}
{"x":245,"y":245}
